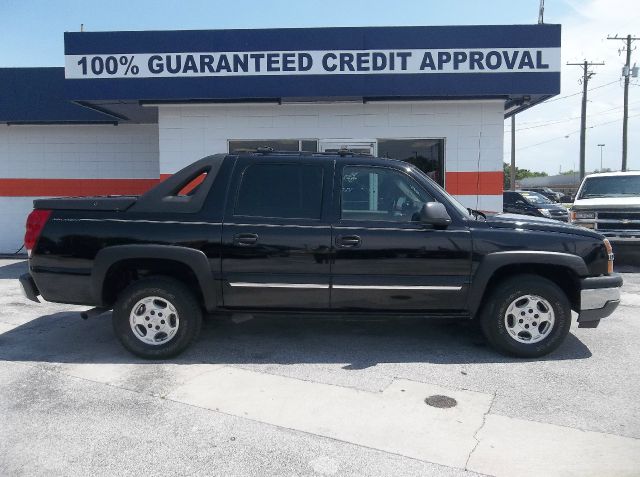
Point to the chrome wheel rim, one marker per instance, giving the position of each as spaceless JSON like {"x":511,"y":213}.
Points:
{"x":154,"y":320}
{"x":529,"y":319}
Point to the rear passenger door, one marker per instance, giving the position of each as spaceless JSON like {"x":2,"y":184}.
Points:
{"x":276,"y":239}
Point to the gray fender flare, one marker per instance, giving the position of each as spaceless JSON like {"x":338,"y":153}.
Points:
{"x":196,"y":260}
{"x":494,"y":261}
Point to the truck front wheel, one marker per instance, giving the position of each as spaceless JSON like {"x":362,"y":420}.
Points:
{"x":156,"y":317}
{"x":526,"y":316}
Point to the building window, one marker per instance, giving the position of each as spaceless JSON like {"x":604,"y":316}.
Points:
{"x":426,"y":154}
{"x":306,"y":145}
{"x":291,"y":191}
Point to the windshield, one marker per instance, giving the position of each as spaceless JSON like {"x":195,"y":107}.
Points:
{"x":535,"y":198}
{"x":611,"y":186}
{"x":454,"y":202}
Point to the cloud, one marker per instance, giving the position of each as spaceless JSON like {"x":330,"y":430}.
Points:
{"x":584,"y":33}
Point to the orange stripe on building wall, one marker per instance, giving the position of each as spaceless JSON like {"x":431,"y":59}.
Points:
{"x":472,"y":183}
{"x":73,"y":187}
{"x":459,"y":183}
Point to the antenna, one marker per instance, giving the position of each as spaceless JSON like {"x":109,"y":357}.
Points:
{"x":541,"y":12}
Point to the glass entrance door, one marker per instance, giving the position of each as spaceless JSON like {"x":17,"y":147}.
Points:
{"x":361,"y":146}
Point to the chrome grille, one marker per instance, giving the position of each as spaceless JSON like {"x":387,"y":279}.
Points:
{"x":617,"y":220}
{"x":618,"y":226}
{"x":619,"y":215}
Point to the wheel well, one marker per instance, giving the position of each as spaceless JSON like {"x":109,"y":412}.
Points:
{"x":563,"y":277}
{"x":121,"y":274}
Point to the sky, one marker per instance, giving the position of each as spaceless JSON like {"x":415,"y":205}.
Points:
{"x":547,"y":135}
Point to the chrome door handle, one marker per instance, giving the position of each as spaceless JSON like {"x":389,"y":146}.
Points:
{"x":348,"y":240}
{"x":245,"y":239}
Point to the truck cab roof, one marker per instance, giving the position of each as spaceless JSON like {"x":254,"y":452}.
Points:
{"x":613,"y":174}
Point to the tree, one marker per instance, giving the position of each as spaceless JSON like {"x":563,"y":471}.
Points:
{"x":520,"y":174}
{"x":570,"y":172}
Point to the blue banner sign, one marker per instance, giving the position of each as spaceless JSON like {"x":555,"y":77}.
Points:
{"x":384,"y":62}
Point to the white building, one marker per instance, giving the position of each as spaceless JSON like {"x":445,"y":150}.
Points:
{"x":132,"y":107}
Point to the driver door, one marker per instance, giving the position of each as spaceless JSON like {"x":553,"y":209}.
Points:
{"x":384,"y":258}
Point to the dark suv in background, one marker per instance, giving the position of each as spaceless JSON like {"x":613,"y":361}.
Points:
{"x":533,"y":203}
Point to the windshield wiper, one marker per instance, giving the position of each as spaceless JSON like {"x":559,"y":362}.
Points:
{"x":477,"y":213}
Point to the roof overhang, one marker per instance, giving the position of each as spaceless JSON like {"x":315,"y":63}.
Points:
{"x":36,"y":96}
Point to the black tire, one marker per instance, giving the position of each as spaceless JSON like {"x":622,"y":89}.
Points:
{"x":492,"y":316}
{"x":187,"y":309}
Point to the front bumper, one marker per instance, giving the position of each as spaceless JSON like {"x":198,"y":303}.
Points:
{"x":29,"y":287}
{"x":599,"y":297}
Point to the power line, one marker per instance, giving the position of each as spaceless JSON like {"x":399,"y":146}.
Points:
{"x":579,"y":92}
{"x":573,"y":118}
{"x":538,"y":121}
{"x":571,"y":133}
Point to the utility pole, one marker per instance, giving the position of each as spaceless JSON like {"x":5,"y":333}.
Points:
{"x":601,"y":146}
{"x":626,"y":72}
{"x":512,"y":170}
{"x":586,"y":75}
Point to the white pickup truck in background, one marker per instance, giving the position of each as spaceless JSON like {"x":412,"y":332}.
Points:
{"x":610,"y":204}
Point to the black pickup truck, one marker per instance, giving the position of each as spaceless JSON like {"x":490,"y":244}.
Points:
{"x":314,"y":233}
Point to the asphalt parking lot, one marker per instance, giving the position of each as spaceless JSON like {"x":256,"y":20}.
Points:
{"x":295,"y":396}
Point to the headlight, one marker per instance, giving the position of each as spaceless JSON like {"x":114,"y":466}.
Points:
{"x":584,"y":215}
{"x":545,"y":212}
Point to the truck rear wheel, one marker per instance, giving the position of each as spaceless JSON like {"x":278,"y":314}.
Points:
{"x":156,"y":318}
{"x":527,"y":316}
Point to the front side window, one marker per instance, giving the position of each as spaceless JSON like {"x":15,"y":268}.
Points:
{"x":292,"y":191}
{"x":375,"y":193}
{"x":535,"y":198}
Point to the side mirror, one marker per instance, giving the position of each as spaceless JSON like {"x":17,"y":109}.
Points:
{"x":435,"y":213}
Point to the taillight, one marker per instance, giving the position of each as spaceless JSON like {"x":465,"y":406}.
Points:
{"x":35,"y":223}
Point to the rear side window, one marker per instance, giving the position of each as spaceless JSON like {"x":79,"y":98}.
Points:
{"x":192,"y":186}
{"x":291,"y":191}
